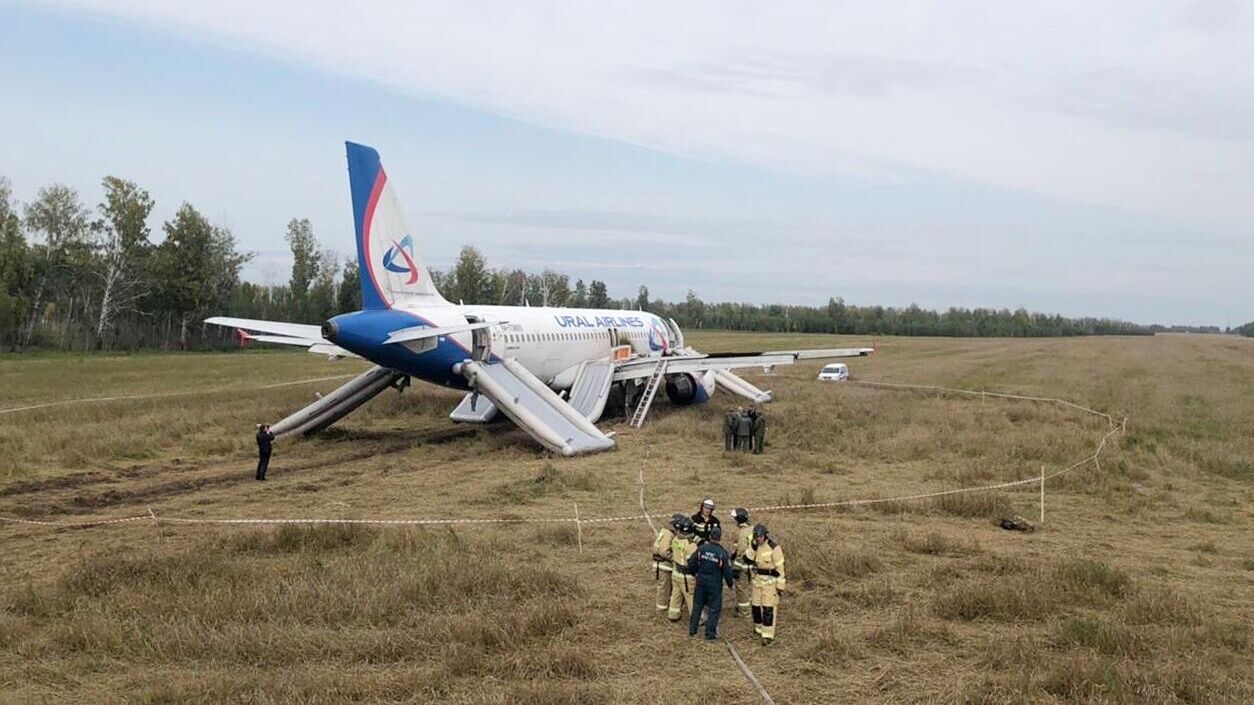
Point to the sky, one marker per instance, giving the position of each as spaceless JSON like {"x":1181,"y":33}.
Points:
{"x":1072,"y":157}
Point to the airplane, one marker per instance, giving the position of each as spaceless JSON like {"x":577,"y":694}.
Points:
{"x":550,"y":370}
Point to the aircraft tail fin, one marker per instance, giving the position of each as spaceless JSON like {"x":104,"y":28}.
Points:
{"x":389,"y":262}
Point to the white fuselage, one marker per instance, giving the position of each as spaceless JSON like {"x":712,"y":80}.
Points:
{"x":550,"y":342}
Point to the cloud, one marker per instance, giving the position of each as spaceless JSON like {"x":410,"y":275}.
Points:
{"x":1145,"y":107}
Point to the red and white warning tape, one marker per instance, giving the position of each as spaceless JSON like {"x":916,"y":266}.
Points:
{"x":974,"y":393}
{"x":161,"y":395}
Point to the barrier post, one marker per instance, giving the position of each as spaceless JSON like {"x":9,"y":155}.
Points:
{"x":157,"y":524}
{"x":1042,"y":495}
{"x":644,"y":510}
{"x":578,"y":528}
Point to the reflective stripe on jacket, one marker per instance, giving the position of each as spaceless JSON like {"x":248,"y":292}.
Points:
{"x":662,"y":547}
{"x":768,"y":561}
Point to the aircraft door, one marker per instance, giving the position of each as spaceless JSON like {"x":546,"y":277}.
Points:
{"x":481,"y":341}
{"x":677,"y":335}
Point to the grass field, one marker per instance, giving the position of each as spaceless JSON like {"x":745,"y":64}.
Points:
{"x":1138,"y":588}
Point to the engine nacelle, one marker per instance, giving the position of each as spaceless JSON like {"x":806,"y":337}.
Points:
{"x":685,"y":388}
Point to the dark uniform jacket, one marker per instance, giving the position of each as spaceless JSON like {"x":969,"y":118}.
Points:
{"x":703,"y":525}
{"x":263,"y":440}
{"x":759,"y":424}
{"x":711,"y":564}
{"x":744,"y":425}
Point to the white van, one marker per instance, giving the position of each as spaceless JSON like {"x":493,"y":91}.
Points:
{"x":835,"y":372}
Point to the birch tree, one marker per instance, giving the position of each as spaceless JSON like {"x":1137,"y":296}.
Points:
{"x":122,"y":234}
{"x":306,"y":261}
{"x":15,"y":267}
{"x":57,"y":215}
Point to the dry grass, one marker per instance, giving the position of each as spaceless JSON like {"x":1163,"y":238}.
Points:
{"x":934,"y":543}
{"x":346,"y":600}
{"x":1136,"y":589}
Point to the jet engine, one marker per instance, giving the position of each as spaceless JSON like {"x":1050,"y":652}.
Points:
{"x":685,"y":388}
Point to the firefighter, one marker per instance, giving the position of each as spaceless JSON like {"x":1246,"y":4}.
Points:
{"x":740,"y":569}
{"x":729,"y":429}
{"x":759,"y":431}
{"x":711,"y":567}
{"x":662,"y":561}
{"x":704,"y":519}
{"x":683,"y":544}
{"x":744,"y":431}
{"x":766,"y":565}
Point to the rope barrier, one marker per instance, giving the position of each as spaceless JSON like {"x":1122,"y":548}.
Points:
{"x":160,"y":395}
{"x":753,"y":680}
{"x":982,"y":394}
{"x":76,"y":524}
{"x":1117,"y":427}
{"x":643,"y":510}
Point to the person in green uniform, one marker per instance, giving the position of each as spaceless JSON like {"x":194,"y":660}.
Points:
{"x":759,"y":431}
{"x":744,"y":432}
{"x":729,"y":429}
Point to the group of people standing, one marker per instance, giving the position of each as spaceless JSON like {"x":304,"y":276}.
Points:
{"x":744,"y":430}
{"x":692,"y":567}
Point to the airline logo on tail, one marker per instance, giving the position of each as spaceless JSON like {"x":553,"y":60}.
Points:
{"x":405,"y":251}
{"x":390,"y":257}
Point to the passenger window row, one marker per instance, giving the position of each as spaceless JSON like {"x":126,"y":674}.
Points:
{"x":553,"y":337}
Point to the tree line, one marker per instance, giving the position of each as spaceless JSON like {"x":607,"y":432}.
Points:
{"x":75,"y":277}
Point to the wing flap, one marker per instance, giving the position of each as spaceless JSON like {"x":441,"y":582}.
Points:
{"x":824,"y":353}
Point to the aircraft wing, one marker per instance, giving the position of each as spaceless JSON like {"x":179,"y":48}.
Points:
{"x":279,"y":333}
{"x":824,"y":353}
{"x":693,"y":362}
{"x":291,"y":330}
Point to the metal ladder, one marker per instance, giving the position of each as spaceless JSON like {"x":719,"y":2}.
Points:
{"x":650,"y":391}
